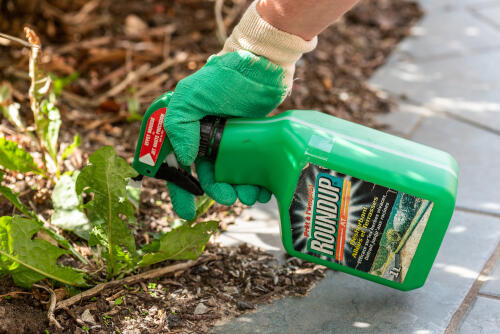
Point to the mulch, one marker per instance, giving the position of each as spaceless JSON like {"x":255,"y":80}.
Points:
{"x":232,"y":282}
{"x":132,"y":52}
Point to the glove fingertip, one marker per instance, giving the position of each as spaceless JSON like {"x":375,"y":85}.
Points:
{"x":222,"y":193}
{"x":264,"y":195}
{"x":182,"y":201}
{"x":247,"y":194}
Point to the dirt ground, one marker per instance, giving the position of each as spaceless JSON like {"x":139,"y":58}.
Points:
{"x":232,"y":281}
{"x":135,"y":52}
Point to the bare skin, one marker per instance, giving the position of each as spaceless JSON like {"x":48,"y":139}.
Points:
{"x":304,"y":18}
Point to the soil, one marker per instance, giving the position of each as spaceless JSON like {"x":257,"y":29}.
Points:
{"x":134,"y":52}
{"x":186,"y":302}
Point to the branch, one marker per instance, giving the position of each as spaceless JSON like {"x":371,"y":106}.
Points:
{"x":221,"y":28}
{"x":132,"y":280}
{"x":52,"y":306}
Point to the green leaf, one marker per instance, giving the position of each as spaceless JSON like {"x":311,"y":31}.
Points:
{"x":134,"y":196}
{"x":14,"y":199}
{"x":124,"y":262}
{"x":58,"y":83}
{"x":31,"y":260}
{"x":8,"y":108}
{"x":77,"y":140}
{"x":48,"y":123}
{"x":15,"y":158}
{"x":107,"y":177}
{"x":133,"y":107}
{"x":183,"y":243}
{"x":202,"y":205}
{"x":68,"y":213}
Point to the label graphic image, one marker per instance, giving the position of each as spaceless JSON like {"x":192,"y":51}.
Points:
{"x":356,"y":223}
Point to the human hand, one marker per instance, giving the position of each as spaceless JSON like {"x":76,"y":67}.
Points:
{"x":250,"y":77}
{"x":236,"y":84}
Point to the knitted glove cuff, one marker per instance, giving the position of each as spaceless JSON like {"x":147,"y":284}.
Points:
{"x":256,"y":35}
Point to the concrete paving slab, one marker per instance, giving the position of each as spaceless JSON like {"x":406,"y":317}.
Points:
{"x":259,"y":226}
{"x":489,"y":13}
{"x":492,"y":285}
{"x":448,"y":34}
{"x":449,"y":5}
{"x":402,"y":119}
{"x":477,"y":153}
{"x":464,"y":86}
{"x":483,"y":318}
{"x":346,"y":304}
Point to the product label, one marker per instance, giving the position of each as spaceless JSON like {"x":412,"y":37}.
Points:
{"x":356,"y":223}
{"x":153,"y":138}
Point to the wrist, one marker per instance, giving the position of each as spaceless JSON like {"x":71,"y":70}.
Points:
{"x":288,"y":20}
{"x":256,"y":35}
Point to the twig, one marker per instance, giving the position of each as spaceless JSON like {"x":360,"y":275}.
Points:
{"x":179,"y":59}
{"x":234,"y":13}
{"x":20,"y":41}
{"x":73,"y":315}
{"x":116,"y":295}
{"x":109,"y":77}
{"x":53,"y":301}
{"x":85,"y":44}
{"x":166,"y":44}
{"x":78,"y":100}
{"x":161,"y":325}
{"x":156,"y":84}
{"x":162,"y":30}
{"x":14,"y":294}
{"x":221,"y":28}
{"x":132,"y":280}
{"x":130,"y":78}
{"x":82,"y":15}
{"x":110,"y":119}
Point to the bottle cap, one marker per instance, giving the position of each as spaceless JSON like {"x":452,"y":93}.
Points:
{"x":211,"y":129}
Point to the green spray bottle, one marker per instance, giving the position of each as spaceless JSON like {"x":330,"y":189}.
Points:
{"x":350,"y":198}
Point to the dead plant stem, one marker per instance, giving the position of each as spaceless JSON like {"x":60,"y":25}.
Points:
{"x":52,"y":305}
{"x":153,"y":273}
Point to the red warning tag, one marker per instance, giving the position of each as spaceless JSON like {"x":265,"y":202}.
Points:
{"x":153,"y":138}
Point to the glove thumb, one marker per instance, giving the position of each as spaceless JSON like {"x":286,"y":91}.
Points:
{"x":183,"y":131}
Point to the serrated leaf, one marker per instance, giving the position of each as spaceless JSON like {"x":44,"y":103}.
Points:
{"x":106,"y":178}
{"x":16,"y":159}
{"x":48,"y":123}
{"x":31,"y":260}
{"x":183,"y":243}
{"x":68,"y":214}
{"x":71,"y":147}
{"x":13,"y":197}
{"x":8,"y":108}
{"x":124,"y":262}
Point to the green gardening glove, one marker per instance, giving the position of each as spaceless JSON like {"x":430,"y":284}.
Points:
{"x":236,"y":84}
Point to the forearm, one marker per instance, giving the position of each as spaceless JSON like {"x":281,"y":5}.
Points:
{"x":304,"y":18}
{"x":282,"y":30}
